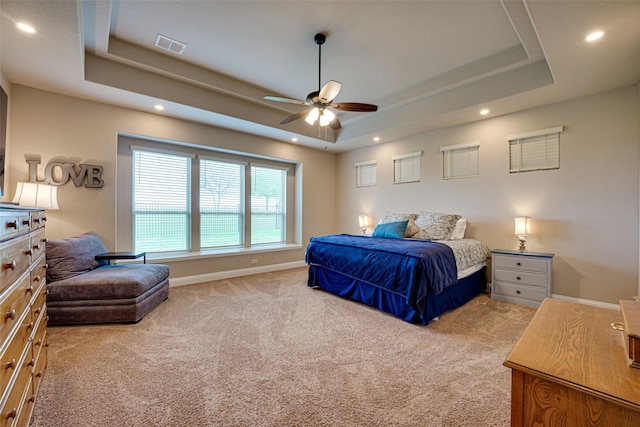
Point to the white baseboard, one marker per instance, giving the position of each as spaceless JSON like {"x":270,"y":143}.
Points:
{"x":588,"y":302}
{"x":201,"y":278}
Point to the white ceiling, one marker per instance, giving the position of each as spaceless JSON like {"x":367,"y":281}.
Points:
{"x":427,"y":64}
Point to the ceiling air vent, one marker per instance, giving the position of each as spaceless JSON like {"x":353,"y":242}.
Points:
{"x":171,"y":45}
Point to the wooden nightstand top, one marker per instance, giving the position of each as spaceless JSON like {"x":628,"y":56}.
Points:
{"x":522,"y":253}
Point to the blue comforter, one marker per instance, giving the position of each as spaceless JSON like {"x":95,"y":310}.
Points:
{"x":411,"y":268}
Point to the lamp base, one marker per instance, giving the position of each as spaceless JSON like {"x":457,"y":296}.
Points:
{"x":523,"y":241}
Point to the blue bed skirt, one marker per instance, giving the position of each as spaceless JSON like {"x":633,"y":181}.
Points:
{"x":347,"y":287}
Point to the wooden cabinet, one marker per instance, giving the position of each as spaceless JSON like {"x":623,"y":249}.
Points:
{"x":521,"y":277}
{"x":23,"y":312}
{"x":570,"y":369}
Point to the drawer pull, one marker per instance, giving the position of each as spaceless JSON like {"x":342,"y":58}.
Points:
{"x":25,"y":222}
{"x":37,"y":311}
{"x":36,"y":246}
{"x":37,"y":343}
{"x":32,"y":362}
{"x":12,"y":413}
{"x":30,"y":289}
{"x":9,"y":265}
{"x":518,"y":278}
{"x":10,"y":365}
{"x":617,"y":326}
{"x":28,"y":252}
{"x":39,"y":374}
{"x":518,"y":263}
{"x":30,"y":326}
{"x":37,"y":279}
{"x":13,"y":224}
{"x":518,"y":291}
{"x":10,"y":314}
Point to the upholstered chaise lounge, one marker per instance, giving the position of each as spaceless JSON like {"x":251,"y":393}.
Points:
{"x":83,"y":290}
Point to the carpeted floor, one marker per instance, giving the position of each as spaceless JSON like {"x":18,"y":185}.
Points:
{"x":266,"y":350}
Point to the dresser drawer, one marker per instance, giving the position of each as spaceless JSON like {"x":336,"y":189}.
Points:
{"x":519,"y":291}
{"x":38,"y":244}
{"x":16,"y":403}
{"x":14,"y":260}
{"x":17,"y":349}
{"x":520,"y":277}
{"x":38,"y":219}
{"x":520,"y":263}
{"x":13,"y":303}
{"x":13,"y":224}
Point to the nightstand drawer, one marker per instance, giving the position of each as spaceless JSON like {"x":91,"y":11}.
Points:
{"x":511,"y":290}
{"x":520,"y":263}
{"x":520,"y":277}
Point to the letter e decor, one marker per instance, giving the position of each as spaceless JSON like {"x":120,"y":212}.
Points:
{"x":59,"y":173}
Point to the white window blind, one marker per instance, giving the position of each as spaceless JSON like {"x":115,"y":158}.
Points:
{"x":535,"y":150}
{"x":406,"y":167}
{"x":221,"y":203}
{"x":161,"y":206}
{"x":460,"y":160}
{"x":366,"y":173}
{"x":268,"y":205}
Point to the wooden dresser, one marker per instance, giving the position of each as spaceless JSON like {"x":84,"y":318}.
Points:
{"x":23,"y":313}
{"x":570,"y":368}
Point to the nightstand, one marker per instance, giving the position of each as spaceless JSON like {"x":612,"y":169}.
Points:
{"x":520,"y":277}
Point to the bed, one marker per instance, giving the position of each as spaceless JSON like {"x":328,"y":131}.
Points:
{"x":413,"y":279}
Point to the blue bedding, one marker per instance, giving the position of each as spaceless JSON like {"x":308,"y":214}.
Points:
{"x":411,"y":268}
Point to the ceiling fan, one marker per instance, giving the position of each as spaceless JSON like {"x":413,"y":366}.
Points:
{"x":321,"y":101}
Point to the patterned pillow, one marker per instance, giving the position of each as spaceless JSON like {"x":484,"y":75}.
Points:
{"x":435,"y":226}
{"x":395,"y":217}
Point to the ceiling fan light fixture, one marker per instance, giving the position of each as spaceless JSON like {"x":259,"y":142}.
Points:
{"x":312,"y":116}
{"x":326,"y":117}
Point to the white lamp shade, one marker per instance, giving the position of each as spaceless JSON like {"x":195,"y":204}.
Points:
{"x":363,"y":220}
{"x":326,"y":117}
{"x":523,"y":226}
{"x":37,"y":195}
{"x":312,"y":116}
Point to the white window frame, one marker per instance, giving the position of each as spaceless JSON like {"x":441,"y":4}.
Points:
{"x":535,"y":150}
{"x":292,"y":214}
{"x":460,"y":160}
{"x":406,"y":167}
{"x":366,"y":173}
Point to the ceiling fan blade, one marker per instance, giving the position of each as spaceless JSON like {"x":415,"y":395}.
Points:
{"x":295,"y":116}
{"x":355,"y":106}
{"x":329,"y":91}
{"x":335,"y":124}
{"x":289,"y":100}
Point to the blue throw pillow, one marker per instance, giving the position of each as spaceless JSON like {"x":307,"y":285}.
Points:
{"x":392,"y":230}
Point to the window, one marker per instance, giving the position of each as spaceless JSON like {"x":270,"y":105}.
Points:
{"x":268,"y":218}
{"x":161,"y":207}
{"x":536,"y":150}
{"x":189,"y":199}
{"x":460,"y":160}
{"x":221,"y":203}
{"x":366,"y":173}
{"x":406,"y":168}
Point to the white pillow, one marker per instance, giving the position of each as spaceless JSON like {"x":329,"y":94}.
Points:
{"x":459,"y":229}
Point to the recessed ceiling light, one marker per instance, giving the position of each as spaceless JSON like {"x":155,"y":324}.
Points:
{"x":376,"y":138}
{"x":159,"y":107}
{"x":596,"y":35}
{"x":294,"y":139}
{"x":25,"y":27}
{"x":484,"y":111}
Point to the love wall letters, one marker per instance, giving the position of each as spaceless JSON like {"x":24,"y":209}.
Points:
{"x":59,"y":173}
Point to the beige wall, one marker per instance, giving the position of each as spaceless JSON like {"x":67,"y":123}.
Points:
{"x":586,"y":212}
{"x":55,"y":127}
